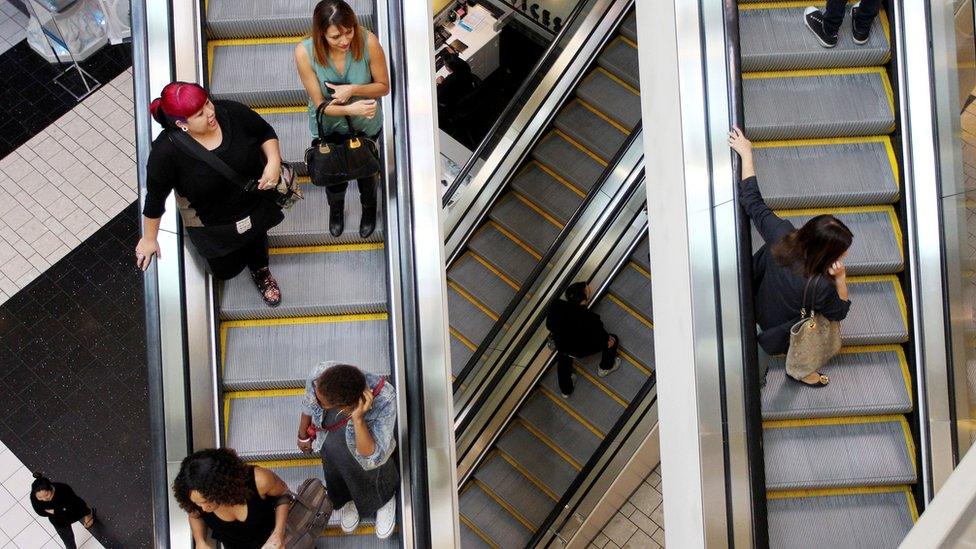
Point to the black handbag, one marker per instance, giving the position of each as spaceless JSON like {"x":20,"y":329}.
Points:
{"x":285,"y":194}
{"x":354,"y":157}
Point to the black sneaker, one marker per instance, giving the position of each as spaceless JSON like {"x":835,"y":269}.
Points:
{"x":861,"y":36}
{"x":813,"y":18}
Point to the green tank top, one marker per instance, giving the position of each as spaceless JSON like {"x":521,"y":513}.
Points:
{"x":356,"y":72}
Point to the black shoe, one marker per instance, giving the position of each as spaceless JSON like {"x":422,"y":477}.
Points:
{"x":368,"y":222}
{"x":336,"y":221}
{"x":815,"y":22}
{"x":861,"y":36}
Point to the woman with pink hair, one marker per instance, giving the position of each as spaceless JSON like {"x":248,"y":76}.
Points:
{"x":227,"y":224}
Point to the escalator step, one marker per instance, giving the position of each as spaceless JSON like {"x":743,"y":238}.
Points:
{"x":877,"y":314}
{"x":561,"y":428}
{"x":868,"y":382}
{"x":626,"y":381}
{"x":515,"y":490}
{"x":291,"y":125}
{"x":629,"y":27}
{"x":853,"y":173}
{"x":815,"y":454}
{"x":471,"y":540}
{"x":590,"y":129}
{"x":567,"y":160}
{"x":634,"y":289}
{"x":479,"y":281}
{"x":460,"y":355}
{"x":642,"y":254}
{"x":365,"y":540}
{"x":831,"y":103}
{"x":877,"y":242}
{"x":491,"y":518}
{"x":294,"y":474}
{"x":590,"y":402}
{"x":502,"y":252}
{"x":528,"y":225}
{"x":556,"y":198}
{"x":467,"y":318}
{"x":869,"y":520}
{"x":620,"y":58}
{"x":636,"y":338}
{"x":264,"y":354}
{"x":533,"y":456}
{"x":236,"y":19}
{"x":611,"y":98}
{"x":775,"y":38}
{"x":307,"y":222}
{"x":276,"y":84}
{"x":255,"y":426}
{"x":319,"y":281}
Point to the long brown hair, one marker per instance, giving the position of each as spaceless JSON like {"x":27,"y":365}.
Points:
{"x":338,"y":13}
{"x":815,"y":246}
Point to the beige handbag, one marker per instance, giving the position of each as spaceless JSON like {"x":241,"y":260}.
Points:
{"x":814,"y":340}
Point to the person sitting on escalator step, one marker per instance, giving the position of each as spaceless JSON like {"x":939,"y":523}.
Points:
{"x":578,"y":332}
{"x":825,"y":24}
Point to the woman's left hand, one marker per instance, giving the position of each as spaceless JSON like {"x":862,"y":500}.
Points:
{"x":341,"y":93}
{"x":269,"y":179}
{"x":365,"y":403}
{"x":276,"y":541}
{"x":739,"y":142}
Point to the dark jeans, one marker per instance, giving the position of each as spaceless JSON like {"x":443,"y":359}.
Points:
{"x":835,"y":10}
{"x":564,"y":362}
{"x":67,"y":536}
{"x":254,"y":256}
{"x":336,"y":194}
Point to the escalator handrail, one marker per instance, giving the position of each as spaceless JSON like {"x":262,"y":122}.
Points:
{"x":752,"y":396}
{"x":540,"y":266}
{"x":547,"y":59}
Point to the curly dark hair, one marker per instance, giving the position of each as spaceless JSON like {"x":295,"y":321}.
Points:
{"x":341,"y":385}
{"x":218,"y":474}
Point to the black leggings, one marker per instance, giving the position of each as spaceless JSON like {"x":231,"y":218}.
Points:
{"x":67,"y":536}
{"x":254,"y":256}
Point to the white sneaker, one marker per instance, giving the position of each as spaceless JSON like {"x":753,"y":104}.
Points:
{"x":349,"y":517}
{"x":604,"y":373}
{"x":386,"y":519}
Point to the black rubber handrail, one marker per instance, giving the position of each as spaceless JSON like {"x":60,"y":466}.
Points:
{"x":752,"y":396}
{"x":541,"y":265}
{"x":547,"y":59}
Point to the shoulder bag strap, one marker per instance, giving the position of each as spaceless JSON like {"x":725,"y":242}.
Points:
{"x":813,"y":299}
{"x":190,"y":146}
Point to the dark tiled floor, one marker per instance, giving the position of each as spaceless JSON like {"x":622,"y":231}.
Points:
{"x":73,"y":380}
{"x":30,"y":100}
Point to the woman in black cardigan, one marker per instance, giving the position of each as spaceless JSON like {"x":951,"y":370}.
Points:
{"x":59,"y":503}
{"x":789,"y":259}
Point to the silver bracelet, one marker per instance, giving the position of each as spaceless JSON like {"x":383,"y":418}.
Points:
{"x":300,"y":439}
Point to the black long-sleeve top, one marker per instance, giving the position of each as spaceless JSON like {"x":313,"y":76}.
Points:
{"x":778,"y":288}
{"x":67,"y":507}
{"x":576,"y":330}
{"x":215,"y":199}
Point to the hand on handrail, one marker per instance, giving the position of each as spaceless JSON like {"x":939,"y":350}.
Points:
{"x":741,"y":144}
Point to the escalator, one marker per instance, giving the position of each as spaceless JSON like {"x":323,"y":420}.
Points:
{"x":840,"y":462}
{"x":548,"y":188}
{"x":334,"y":290}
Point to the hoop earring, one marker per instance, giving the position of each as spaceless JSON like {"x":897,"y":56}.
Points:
{"x":185,"y":128}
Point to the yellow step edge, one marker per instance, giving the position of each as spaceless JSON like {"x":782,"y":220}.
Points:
{"x":518,"y":242}
{"x":467,"y":342}
{"x":536,"y":208}
{"x":561,"y":402}
{"x":328,"y":248}
{"x":295,"y":320}
{"x":643,"y":320}
{"x":477,"y":531}
{"x":639,"y":269}
{"x":618,"y":80}
{"x":256,"y":41}
{"x":827,"y":492}
{"x":827,"y":421}
{"x":558,"y":178}
{"x":504,"y":505}
{"x":886,"y":208}
{"x":365,"y":530}
{"x":627,"y":41}
{"x":285,"y":463}
{"x":281,"y":110}
{"x":586,"y":105}
{"x":637,"y":364}
{"x":599,"y":383}
{"x":484,"y":262}
{"x":582,"y":148}
{"x":473,"y":300}
{"x":549,"y":442}
{"x":525,"y":472}
{"x":263,"y":393}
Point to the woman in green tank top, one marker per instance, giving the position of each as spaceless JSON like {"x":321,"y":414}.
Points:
{"x":343,"y":65}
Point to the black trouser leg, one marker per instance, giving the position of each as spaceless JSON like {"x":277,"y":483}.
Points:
{"x":257,"y":253}
{"x":336,"y":485}
{"x":336,"y":195}
{"x":610,"y":354}
{"x":254,"y":256}
{"x":367,"y":192}
{"x":67,"y":536}
{"x":834,"y":15}
{"x":866,"y":13}
{"x":564,"y":372}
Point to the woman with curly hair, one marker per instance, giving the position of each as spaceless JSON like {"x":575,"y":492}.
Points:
{"x":348,"y":417}
{"x":244,"y":506}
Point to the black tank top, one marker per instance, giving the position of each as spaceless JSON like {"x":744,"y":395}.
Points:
{"x":254,"y":531}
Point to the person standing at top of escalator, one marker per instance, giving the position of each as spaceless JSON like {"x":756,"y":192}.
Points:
{"x":349,"y":418}
{"x":227,"y":224}
{"x":825,"y":23}
{"x":578,"y":332}
{"x":343,"y":66}
{"x":59,"y":503}
{"x":789,"y":260}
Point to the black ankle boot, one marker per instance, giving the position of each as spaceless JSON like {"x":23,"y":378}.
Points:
{"x":336,"y":221}
{"x":368,"y":223}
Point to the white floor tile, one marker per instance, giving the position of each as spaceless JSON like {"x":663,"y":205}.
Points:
{"x":6,"y":501}
{"x":19,"y":483}
{"x":32,"y":537}
{"x":53,"y":544}
{"x":8,"y":461}
{"x":14,"y":520}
